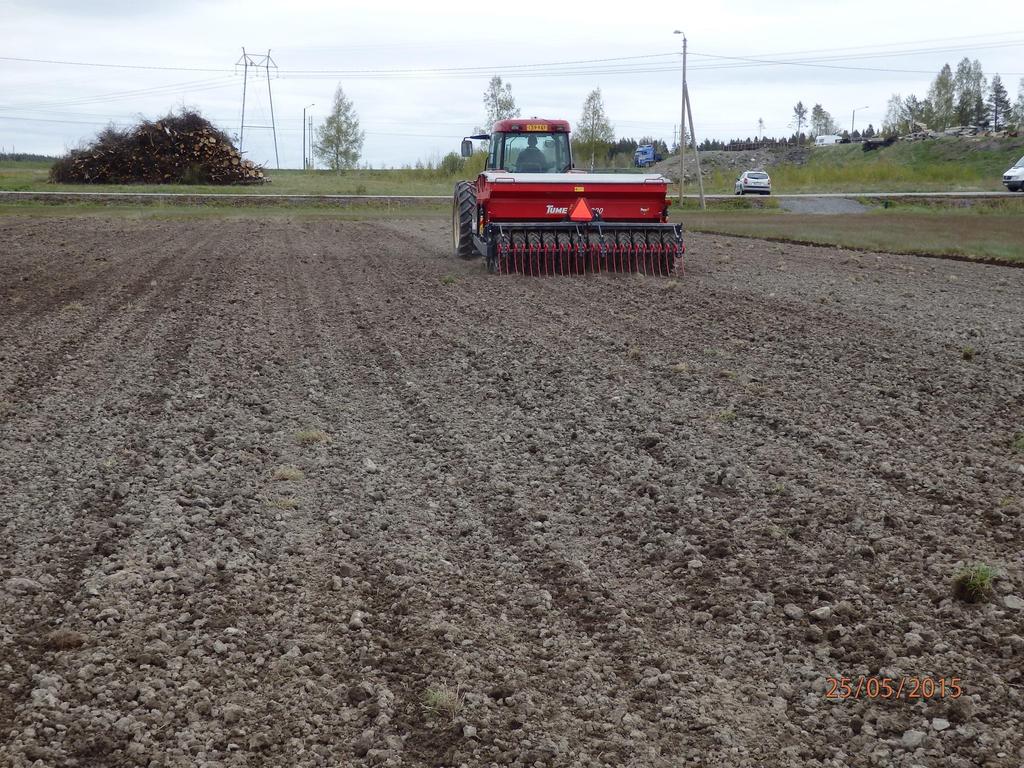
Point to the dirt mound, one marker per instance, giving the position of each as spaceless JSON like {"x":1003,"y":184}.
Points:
{"x":176,"y":149}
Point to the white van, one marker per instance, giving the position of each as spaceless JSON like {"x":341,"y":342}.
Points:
{"x":1013,"y":179}
{"x":827,"y":140}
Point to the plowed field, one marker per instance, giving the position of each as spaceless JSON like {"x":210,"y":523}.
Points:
{"x":312,"y":493}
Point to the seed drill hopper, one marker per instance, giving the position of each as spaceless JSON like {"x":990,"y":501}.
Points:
{"x":531,"y":213}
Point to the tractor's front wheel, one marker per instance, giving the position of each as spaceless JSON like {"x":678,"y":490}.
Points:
{"x":463,"y":214}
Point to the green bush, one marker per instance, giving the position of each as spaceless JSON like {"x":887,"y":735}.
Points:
{"x":452,"y":163}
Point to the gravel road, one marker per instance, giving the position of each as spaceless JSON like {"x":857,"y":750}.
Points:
{"x":823,"y":205}
{"x":311,"y":493}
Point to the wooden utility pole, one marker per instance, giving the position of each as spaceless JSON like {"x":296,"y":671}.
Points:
{"x":682,"y":118}
{"x":687,"y":113}
{"x":306,"y":155}
{"x":696,"y":152}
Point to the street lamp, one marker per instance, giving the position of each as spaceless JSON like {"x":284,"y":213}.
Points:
{"x":853,"y":120}
{"x":305,"y":165}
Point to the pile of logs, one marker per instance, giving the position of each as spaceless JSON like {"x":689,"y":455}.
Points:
{"x":176,"y":149}
{"x":878,"y":142}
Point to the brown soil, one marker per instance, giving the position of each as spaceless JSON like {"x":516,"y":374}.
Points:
{"x":562,"y":522}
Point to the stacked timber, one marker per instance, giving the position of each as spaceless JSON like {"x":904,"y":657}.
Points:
{"x":180,"y":148}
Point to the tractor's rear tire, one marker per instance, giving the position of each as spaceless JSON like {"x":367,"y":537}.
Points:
{"x":463,"y":216}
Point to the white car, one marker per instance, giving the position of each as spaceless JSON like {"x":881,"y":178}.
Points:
{"x":753,"y":181}
{"x":1013,"y":179}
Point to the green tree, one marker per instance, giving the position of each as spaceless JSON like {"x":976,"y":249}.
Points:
{"x":452,"y":163}
{"x":913,"y":110}
{"x":895,"y":115}
{"x":941,"y":98}
{"x":969,"y":92}
{"x":799,"y":117}
{"x":1017,"y":117}
{"x":821,"y":121}
{"x":998,"y":103}
{"x":594,"y":133}
{"x":339,"y":141}
{"x":499,"y":104}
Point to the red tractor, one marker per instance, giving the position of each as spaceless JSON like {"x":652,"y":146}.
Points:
{"x":530,"y":212}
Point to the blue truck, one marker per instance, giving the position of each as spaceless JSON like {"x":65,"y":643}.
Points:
{"x":645,"y":156}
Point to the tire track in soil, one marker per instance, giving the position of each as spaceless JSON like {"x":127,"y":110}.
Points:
{"x":578,"y":595}
{"x":409,"y":662}
{"x":89,"y":536}
{"x":224,"y":613}
{"x":827,"y":455}
{"x":307,"y":552}
{"x":113,"y":312}
{"x":247,"y":534}
{"x":367,"y":412}
{"x":275,"y":613}
{"x":51,"y":264}
{"x":308,"y":531}
{"x":544,"y":575}
{"x":548,"y":574}
{"x":45,"y":275}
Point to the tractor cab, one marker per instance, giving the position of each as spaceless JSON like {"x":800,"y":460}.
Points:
{"x":526,"y":146}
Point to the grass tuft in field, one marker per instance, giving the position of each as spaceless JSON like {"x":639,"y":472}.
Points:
{"x":287,"y":473}
{"x":443,"y":701}
{"x":973,"y":583}
{"x":311,"y":437}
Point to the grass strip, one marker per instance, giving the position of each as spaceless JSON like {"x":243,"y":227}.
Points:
{"x":991,"y":238}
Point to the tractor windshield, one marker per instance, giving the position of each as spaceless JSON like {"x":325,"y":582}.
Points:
{"x":535,"y":152}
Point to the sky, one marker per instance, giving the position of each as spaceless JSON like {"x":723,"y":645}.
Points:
{"x":416,"y":71}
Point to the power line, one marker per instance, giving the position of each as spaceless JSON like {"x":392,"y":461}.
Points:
{"x":618,"y":63}
{"x":283,"y":130}
{"x":195,"y":85}
{"x":834,"y":50}
{"x":111,"y":66}
{"x":820,"y":62}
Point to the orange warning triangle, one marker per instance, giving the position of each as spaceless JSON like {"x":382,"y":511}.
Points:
{"x":581,"y":211}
